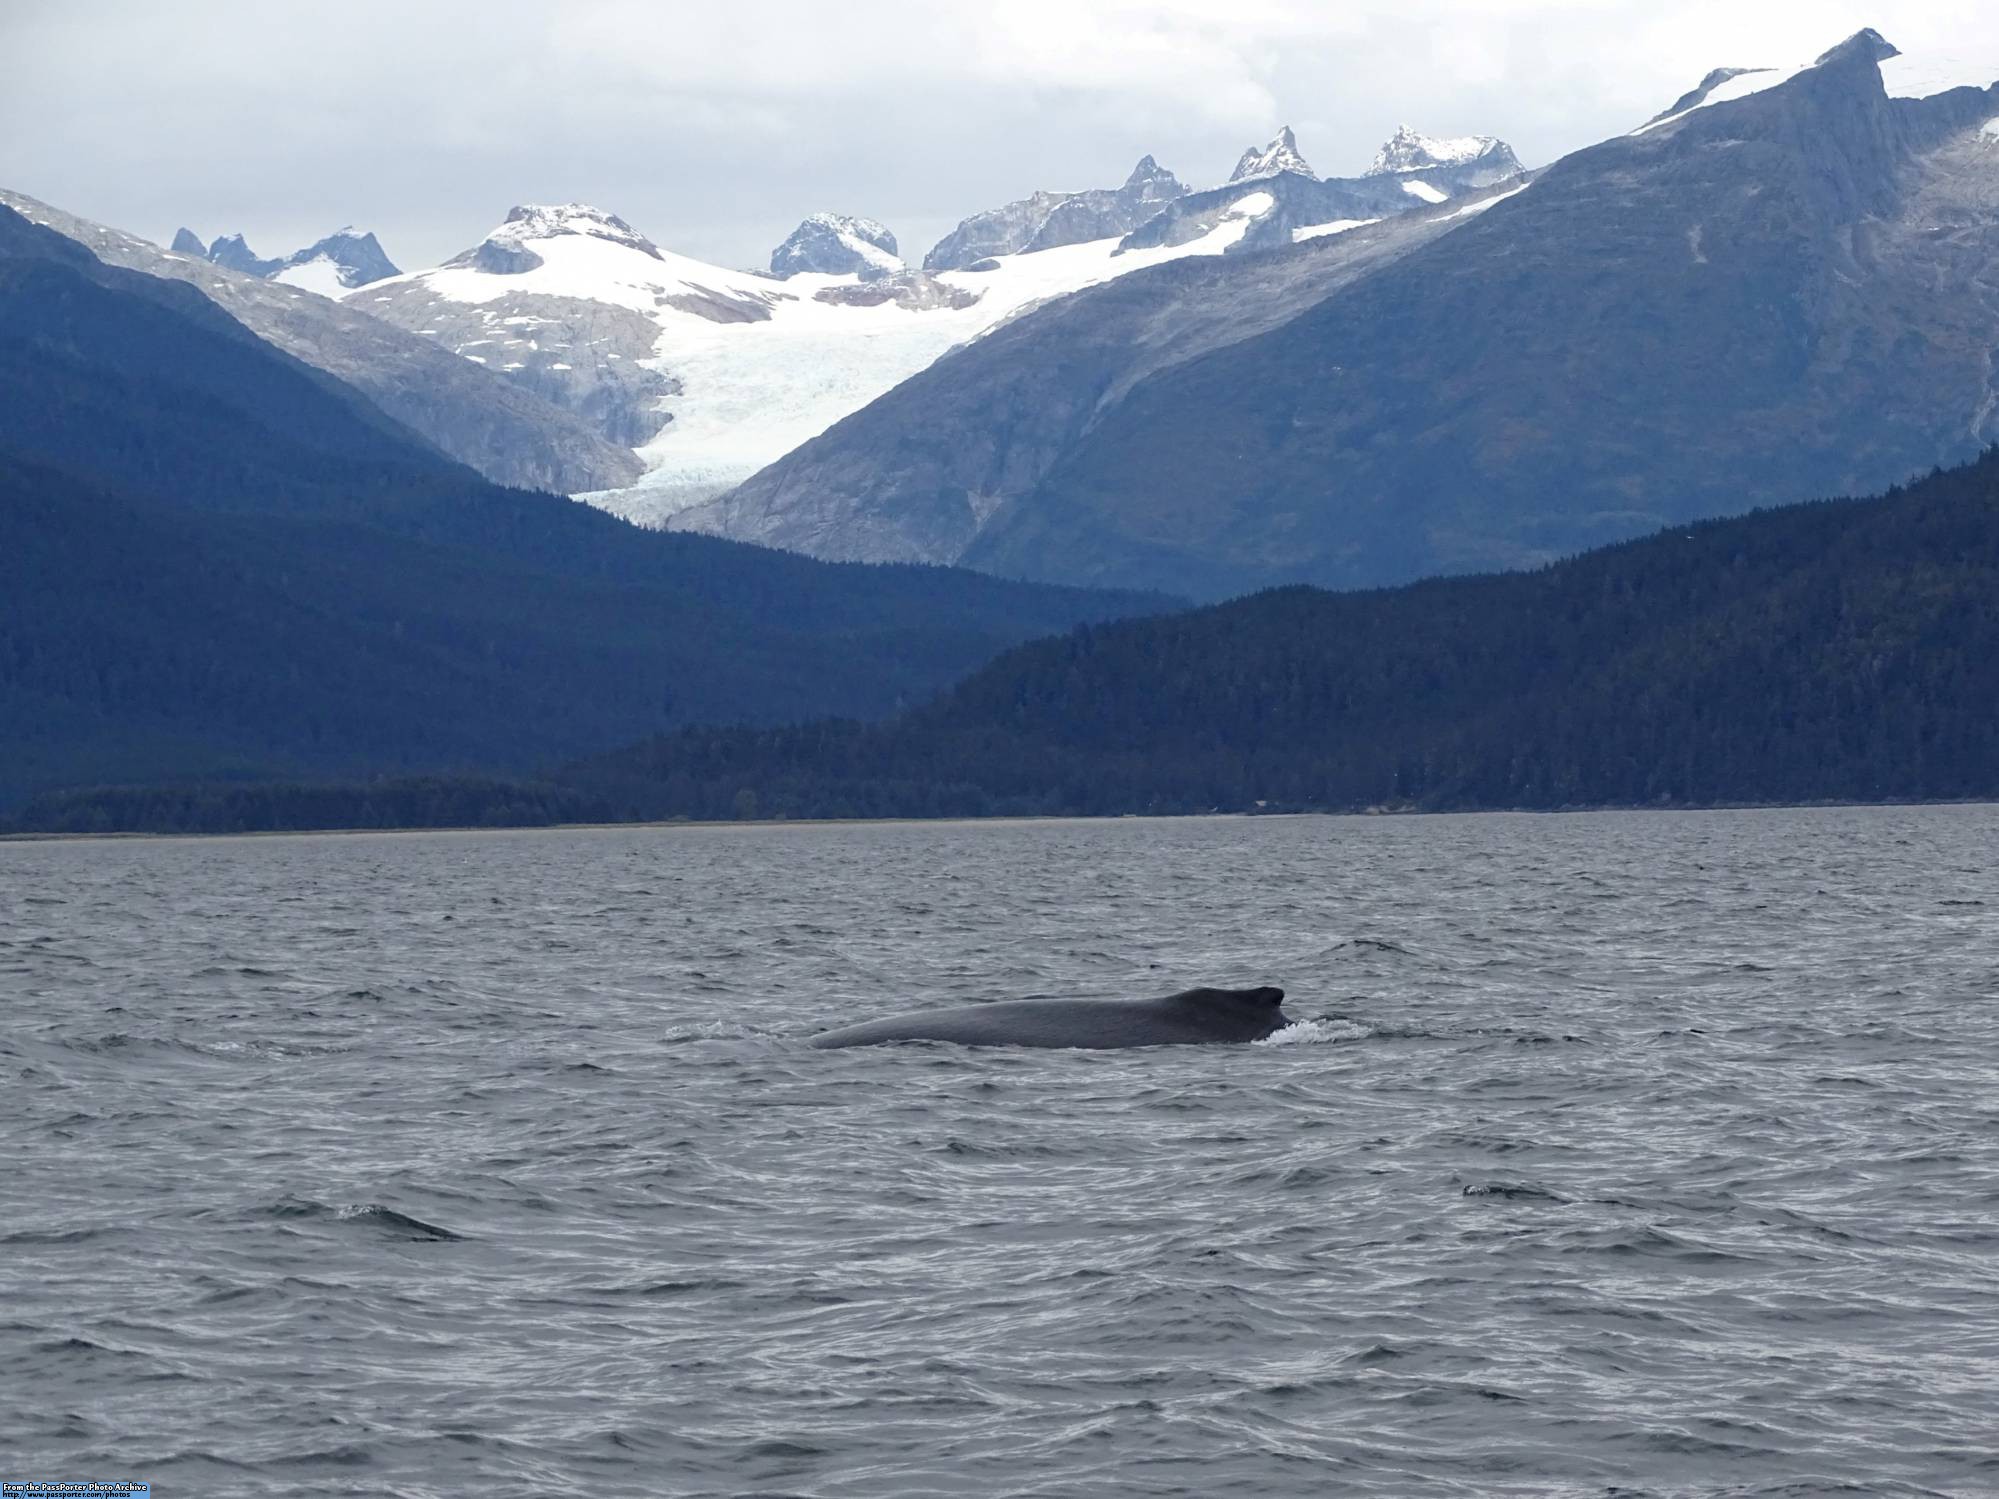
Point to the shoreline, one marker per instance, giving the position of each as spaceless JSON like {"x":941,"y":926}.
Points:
{"x":772,"y":823}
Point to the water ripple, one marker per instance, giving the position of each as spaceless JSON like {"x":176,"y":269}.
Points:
{"x":1610,"y":1154}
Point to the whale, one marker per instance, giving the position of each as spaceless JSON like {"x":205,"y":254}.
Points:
{"x":1191,"y":1017}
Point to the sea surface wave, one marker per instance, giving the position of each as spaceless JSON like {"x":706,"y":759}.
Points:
{"x":1636,"y":1154}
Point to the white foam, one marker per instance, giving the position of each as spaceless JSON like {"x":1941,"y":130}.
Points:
{"x":1316,"y":1033}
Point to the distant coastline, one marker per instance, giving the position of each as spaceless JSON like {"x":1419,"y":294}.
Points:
{"x":771,"y":824}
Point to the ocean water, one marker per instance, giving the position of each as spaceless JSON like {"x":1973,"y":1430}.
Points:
{"x":1635,"y":1154}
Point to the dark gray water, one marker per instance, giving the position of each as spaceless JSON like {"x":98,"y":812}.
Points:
{"x":1635,"y":1154}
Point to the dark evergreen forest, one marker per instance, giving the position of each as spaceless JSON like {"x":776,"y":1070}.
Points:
{"x":1844,"y":650}
{"x":219,"y":565}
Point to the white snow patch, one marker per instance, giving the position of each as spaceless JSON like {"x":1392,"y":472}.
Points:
{"x":319,"y":275}
{"x":1481,"y":207}
{"x":1907,"y":76}
{"x":1319,"y":231}
{"x":1991,"y":128}
{"x":1251,"y":206}
{"x":1424,"y":191}
{"x":1927,"y":73}
{"x":1741,"y":86}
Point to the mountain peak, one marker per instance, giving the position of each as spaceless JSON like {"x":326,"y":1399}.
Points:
{"x":1866,"y":43}
{"x":837,"y":244}
{"x":1280,"y":155}
{"x":187,"y":242}
{"x":551,"y":220}
{"x":506,"y":252}
{"x":1411,"y":151}
{"x":233,"y":253}
{"x":343,"y":260}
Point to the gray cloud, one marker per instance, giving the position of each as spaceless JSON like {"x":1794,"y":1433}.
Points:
{"x":714,"y":128}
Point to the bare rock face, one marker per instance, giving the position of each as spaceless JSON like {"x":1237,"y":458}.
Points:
{"x":585,"y":356}
{"x":232,"y":253}
{"x":913,"y":291}
{"x":496,"y":428}
{"x":187,"y":242}
{"x":836,"y":244}
{"x":1046,"y":220}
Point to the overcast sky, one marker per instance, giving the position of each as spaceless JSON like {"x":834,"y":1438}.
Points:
{"x":714,"y":127}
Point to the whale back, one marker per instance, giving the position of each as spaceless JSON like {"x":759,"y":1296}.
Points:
{"x":1232,"y":1014}
{"x":1189,"y":1017}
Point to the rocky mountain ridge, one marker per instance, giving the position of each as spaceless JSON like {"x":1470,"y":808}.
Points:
{"x":486,"y":423}
{"x":1280,"y":155}
{"x":1046,"y":221}
{"x":1782,"y":290}
{"x":1303,"y":205}
{"x":344,"y":260}
{"x":837,"y":244}
{"x":1411,"y":151}
{"x":710,"y":373}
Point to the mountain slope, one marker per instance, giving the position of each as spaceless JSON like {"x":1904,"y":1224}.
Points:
{"x":486,"y":423}
{"x":345,"y":259}
{"x":1044,"y":220}
{"x":1762,"y":298}
{"x":1845,"y":650}
{"x":710,"y":373}
{"x":215,"y":560}
{"x":917,"y":474}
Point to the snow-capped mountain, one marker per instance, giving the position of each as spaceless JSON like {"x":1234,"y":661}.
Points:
{"x":1280,"y":155}
{"x":1779,"y":289}
{"x":836,"y":244}
{"x":1298,"y":205}
{"x":487,"y":423}
{"x":1410,"y":151}
{"x":1047,"y":221}
{"x":711,"y":373}
{"x":347,"y":258}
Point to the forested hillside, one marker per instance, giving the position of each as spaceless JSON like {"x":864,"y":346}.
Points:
{"x":217,"y":563}
{"x":1841,"y":650}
